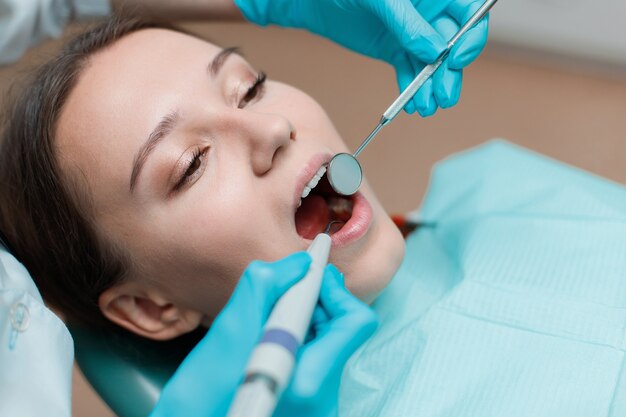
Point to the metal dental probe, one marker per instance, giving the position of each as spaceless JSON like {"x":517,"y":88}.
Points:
{"x":272,"y":361}
{"x":344,"y":170}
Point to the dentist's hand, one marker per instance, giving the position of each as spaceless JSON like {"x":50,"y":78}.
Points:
{"x":407,"y":34}
{"x":205,"y":383}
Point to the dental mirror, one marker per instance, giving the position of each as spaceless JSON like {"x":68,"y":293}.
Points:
{"x":344,"y":170}
{"x":345,"y":174}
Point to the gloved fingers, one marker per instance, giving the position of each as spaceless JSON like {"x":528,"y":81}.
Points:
{"x":226,"y":348}
{"x":337,"y":301}
{"x":447,"y":85}
{"x":412,"y":31}
{"x":446,"y":81}
{"x":429,"y":9}
{"x":320,"y":317}
{"x":405,"y":74}
{"x":469,"y":47}
{"x":240,"y":323}
{"x":424,"y":100}
{"x":260,"y":286}
{"x":462,"y":10}
{"x":352,"y":323}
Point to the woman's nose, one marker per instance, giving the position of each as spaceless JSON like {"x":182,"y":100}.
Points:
{"x":266,"y":135}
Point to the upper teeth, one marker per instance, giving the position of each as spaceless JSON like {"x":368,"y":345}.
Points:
{"x":314,"y":181}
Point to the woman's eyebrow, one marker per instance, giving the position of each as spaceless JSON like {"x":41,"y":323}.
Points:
{"x":218,"y":62}
{"x":169,"y":121}
{"x":164,"y":128}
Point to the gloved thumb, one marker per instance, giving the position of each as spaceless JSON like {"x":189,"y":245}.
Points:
{"x":225,"y":350}
{"x":260,"y":286}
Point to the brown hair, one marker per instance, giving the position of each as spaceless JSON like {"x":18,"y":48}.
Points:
{"x":44,"y":215}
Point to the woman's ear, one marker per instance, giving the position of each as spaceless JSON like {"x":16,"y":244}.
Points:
{"x":147,"y":313}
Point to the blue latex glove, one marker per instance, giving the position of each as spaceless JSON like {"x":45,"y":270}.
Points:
{"x":205,"y":383}
{"x":407,"y":34}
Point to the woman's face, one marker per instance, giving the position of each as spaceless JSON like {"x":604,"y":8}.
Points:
{"x":194,"y":171}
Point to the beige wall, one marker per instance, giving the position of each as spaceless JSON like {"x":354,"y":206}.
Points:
{"x":577,"y":117}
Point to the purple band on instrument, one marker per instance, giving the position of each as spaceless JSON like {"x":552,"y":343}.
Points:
{"x":282,"y":338}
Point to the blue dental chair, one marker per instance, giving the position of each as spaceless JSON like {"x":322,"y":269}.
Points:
{"x":128,"y":371}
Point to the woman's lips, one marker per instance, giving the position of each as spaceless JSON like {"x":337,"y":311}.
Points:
{"x":357,"y":226}
{"x":360,"y":221}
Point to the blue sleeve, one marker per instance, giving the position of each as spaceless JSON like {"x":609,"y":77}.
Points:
{"x":26,"y":23}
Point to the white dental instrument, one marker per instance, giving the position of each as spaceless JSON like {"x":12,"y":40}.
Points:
{"x":344,"y":170}
{"x":272,"y":361}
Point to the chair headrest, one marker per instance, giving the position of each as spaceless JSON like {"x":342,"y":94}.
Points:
{"x":128,"y":371}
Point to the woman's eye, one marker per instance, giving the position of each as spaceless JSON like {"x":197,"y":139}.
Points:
{"x":194,"y":168}
{"x":255,"y":90}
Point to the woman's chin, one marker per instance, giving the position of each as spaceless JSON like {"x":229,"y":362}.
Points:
{"x":370,"y":277}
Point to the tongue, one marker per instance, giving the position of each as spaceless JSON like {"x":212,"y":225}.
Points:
{"x":312,"y":216}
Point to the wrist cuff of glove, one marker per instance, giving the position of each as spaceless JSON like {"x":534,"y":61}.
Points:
{"x":268,"y":12}
{"x":254,"y":11}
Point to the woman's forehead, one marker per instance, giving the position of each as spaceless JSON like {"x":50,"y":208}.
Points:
{"x":127,"y":88}
{"x":122,"y":92}
{"x":147,"y":55}
{"x":156,"y":41}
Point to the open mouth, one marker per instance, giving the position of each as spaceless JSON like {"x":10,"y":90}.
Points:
{"x":321,"y":206}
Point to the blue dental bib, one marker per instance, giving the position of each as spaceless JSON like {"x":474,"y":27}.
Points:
{"x":512,"y":303}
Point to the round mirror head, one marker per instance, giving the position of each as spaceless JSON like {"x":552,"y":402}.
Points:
{"x":345,"y":174}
